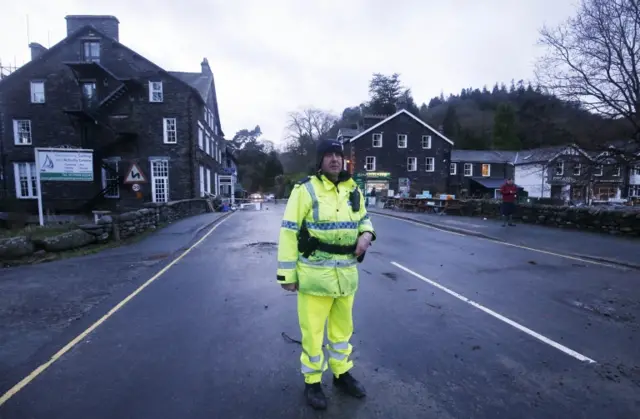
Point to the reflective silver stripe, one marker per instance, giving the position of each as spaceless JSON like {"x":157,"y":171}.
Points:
{"x":314,"y":201}
{"x":340,"y":225}
{"x":309,"y":370}
{"x":337,"y":355}
{"x":287,"y":265}
{"x":340,"y":346}
{"x":315,"y":359}
{"x":290,"y":225}
{"x":330,"y":263}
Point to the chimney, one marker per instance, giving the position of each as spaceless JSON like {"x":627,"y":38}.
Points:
{"x":36,"y":50}
{"x":108,"y":25}
{"x":205,"y":66}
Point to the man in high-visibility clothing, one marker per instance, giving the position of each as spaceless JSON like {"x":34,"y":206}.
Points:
{"x":324,"y":233}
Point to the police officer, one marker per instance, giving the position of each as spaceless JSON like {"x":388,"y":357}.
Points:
{"x":325,"y":232}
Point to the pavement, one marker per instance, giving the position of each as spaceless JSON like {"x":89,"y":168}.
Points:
{"x":447,"y":326}
{"x":597,"y":246}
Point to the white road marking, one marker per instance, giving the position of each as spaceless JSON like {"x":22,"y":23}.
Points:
{"x":35,"y":373}
{"x":519,"y":246}
{"x":498,"y":316}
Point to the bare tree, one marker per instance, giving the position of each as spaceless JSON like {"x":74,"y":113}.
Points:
{"x":593,"y":57}
{"x":312,"y":123}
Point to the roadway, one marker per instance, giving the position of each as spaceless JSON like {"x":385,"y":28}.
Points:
{"x":447,"y":326}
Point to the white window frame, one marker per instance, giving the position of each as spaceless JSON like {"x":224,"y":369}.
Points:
{"x":635,"y":170}
{"x":202,"y":182}
{"x":577,"y":166}
{"x":470,"y":171}
{"x":18,"y":139}
{"x":402,"y":139}
{"x":376,"y":138}
{"x":160,"y":164}
{"x":599,"y":172}
{"x":428,"y":142}
{"x":200,"y":138}
{"x":453,"y":169}
{"x":634,"y":191}
{"x":106,"y":177}
{"x":370,"y":163}
{"x":430,"y":162}
{"x":207,"y":144}
{"x":412,"y":164}
{"x":208,"y":177}
{"x":482,"y":170}
{"x":166,"y":129}
{"x":559,"y":168}
{"x":38,"y":94}
{"x":618,"y":171}
{"x":156,"y":91}
{"x":32,"y":185}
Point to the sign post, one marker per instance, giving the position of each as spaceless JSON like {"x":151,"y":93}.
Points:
{"x":61,"y":164}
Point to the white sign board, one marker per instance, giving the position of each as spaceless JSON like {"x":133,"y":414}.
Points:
{"x":65,"y":164}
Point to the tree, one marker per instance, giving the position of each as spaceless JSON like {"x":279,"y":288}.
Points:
{"x":258,"y":162}
{"x":592,"y":59}
{"x":504,"y":129}
{"x":384,"y":92}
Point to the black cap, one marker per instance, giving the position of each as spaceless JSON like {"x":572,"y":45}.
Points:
{"x":327,"y":146}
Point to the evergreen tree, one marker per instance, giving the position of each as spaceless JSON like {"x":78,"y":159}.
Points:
{"x":504,"y":128}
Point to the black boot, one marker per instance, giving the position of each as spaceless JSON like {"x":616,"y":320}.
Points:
{"x":349,"y":385}
{"x":315,"y":396}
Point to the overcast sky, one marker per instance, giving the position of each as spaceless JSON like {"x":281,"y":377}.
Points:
{"x":276,"y":56}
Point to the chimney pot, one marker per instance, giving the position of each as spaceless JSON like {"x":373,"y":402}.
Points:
{"x":36,"y":50}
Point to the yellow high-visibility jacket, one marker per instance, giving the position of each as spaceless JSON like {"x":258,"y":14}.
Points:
{"x":328,"y":214}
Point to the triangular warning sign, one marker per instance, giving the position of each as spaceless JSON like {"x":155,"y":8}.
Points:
{"x":135,"y":175}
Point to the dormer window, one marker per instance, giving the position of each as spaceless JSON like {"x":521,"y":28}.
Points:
{"x":92,"y":51}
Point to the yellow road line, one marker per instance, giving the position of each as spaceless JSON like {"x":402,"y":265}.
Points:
{"x":29,"y":378}
{"x":474,"y":234}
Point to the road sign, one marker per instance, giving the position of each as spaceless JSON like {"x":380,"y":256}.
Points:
{"x":65,"y":164}
{"x":135,"y":187}
{"x":135,"y":175}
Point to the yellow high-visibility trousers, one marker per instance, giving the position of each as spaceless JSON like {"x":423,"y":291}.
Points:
{"x":313,"y":313}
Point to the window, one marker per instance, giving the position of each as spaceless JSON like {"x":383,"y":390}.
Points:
{"x":486,"y":170}
{"x":207,"y":145}
{"x":22,"y":132}
{"x":25,"y":177}
{"x":160,"y":180}
{"x":213,"y":147}
{"x":634,"y":190}
{"x":453,"y":169}
{"x":110,"y":181}
{"x":412,"y":164}
{"x":208,"y":180}
{"x":37,"y":92}
{"x":559,"y":168}
{"x":370,"y":163}
{"x":170,"y":131}
{"x":598,"y":170}
{"x":155,"y":91}
{"x":92,"y":51}
{"x":377,"y":140}
{"x":617,"y":170}
{"x":202,"y":183}
{"x":89,"y":93}
{"x":206,"y":115}
{"x":577,"y":168}
{"x":200,"y":138}
{"x":430,"y":163}
{"x":635,"y":171}
{"x":468,"y":169}
{"x":402,"y":140}
{"x":426,"y":141}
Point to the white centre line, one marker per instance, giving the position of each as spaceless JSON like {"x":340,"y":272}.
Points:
{"x":510,"y":322}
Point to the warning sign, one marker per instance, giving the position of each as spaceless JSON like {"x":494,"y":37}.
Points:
{"x":135,"y":175}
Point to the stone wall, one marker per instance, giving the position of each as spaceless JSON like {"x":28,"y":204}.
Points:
{"x":621,"y":220}
{"x":111,"y":227}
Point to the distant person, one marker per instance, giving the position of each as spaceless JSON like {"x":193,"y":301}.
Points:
{"x":509,"y":193}
{"x":372,"y":197}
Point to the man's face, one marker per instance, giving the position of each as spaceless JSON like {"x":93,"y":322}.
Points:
{"x":509,"y":181}
{"x":332,"y":164}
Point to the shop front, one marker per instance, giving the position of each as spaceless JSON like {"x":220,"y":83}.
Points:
{"x":369,"y":181}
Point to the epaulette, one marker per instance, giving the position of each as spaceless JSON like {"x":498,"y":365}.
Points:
{"x":303,"y":181}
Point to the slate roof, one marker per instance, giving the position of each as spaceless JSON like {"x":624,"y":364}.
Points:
{"x":483,"y":156}
{"x":201,"y":82}
{"x":348,"y":132}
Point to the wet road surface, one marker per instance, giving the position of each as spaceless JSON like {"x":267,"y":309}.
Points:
{"x":204,"y":339}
